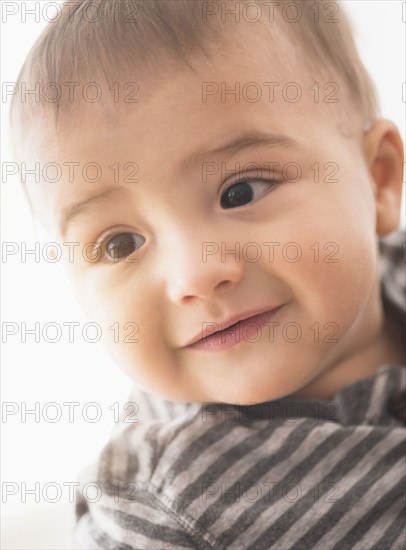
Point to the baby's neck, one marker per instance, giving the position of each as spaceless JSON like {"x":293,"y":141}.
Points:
{"x":387,"y":349}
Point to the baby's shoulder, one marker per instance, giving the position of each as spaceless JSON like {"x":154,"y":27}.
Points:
{"x":217,"y":475}
{"x":210,"y":445}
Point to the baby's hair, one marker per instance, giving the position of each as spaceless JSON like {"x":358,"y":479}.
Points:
{"x":106,"y":40}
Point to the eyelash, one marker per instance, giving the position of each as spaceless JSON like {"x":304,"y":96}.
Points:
{"x":272,"y":182}
{"x":103,"y":243}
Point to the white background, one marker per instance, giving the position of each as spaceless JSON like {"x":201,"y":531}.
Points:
{"x":43,"y":451}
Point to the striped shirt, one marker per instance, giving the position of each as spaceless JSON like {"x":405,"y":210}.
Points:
{"x":285,"y":474}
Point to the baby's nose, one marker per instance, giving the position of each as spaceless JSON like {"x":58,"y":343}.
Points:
{"x":193,"y":272}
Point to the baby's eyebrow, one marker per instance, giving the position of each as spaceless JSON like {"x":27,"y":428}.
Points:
{"x":69,"y":213}
{"x":240,"y":143}
{"x":237,"y":144}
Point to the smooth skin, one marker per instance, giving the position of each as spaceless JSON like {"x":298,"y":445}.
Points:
{"x":166,"y":288}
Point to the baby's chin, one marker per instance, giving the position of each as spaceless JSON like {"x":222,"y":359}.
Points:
{"x":248,"y":395}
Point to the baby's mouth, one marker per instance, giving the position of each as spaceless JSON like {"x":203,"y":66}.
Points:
{"x":226,"y":334}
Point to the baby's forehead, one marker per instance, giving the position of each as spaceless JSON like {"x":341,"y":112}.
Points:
{"x":186,"y":111}
{"x":256,"y":64}
{"x":160,"y":118}
{"x":195,"y":73}
{"x":244,"y":73}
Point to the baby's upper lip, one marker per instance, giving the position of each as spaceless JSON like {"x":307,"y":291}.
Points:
{"x":231,"y":320}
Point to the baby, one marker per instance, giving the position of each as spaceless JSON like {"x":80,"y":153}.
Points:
{"x":234,"y":197}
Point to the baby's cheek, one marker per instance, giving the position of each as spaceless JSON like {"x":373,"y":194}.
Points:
{"x":112,"y":305}
{"x":133,"y":334}
{"x":335,"y":281}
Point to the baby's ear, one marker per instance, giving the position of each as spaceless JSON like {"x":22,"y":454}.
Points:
{"x":384,"y":155}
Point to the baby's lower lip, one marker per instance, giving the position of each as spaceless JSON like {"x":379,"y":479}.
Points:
{"x":248,"y":330}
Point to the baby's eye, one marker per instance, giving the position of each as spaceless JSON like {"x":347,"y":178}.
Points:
{"x":242,"y":193}
{"x":122,"y":245}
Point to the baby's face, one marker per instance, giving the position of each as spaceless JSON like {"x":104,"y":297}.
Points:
{"x":305,"y":242}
